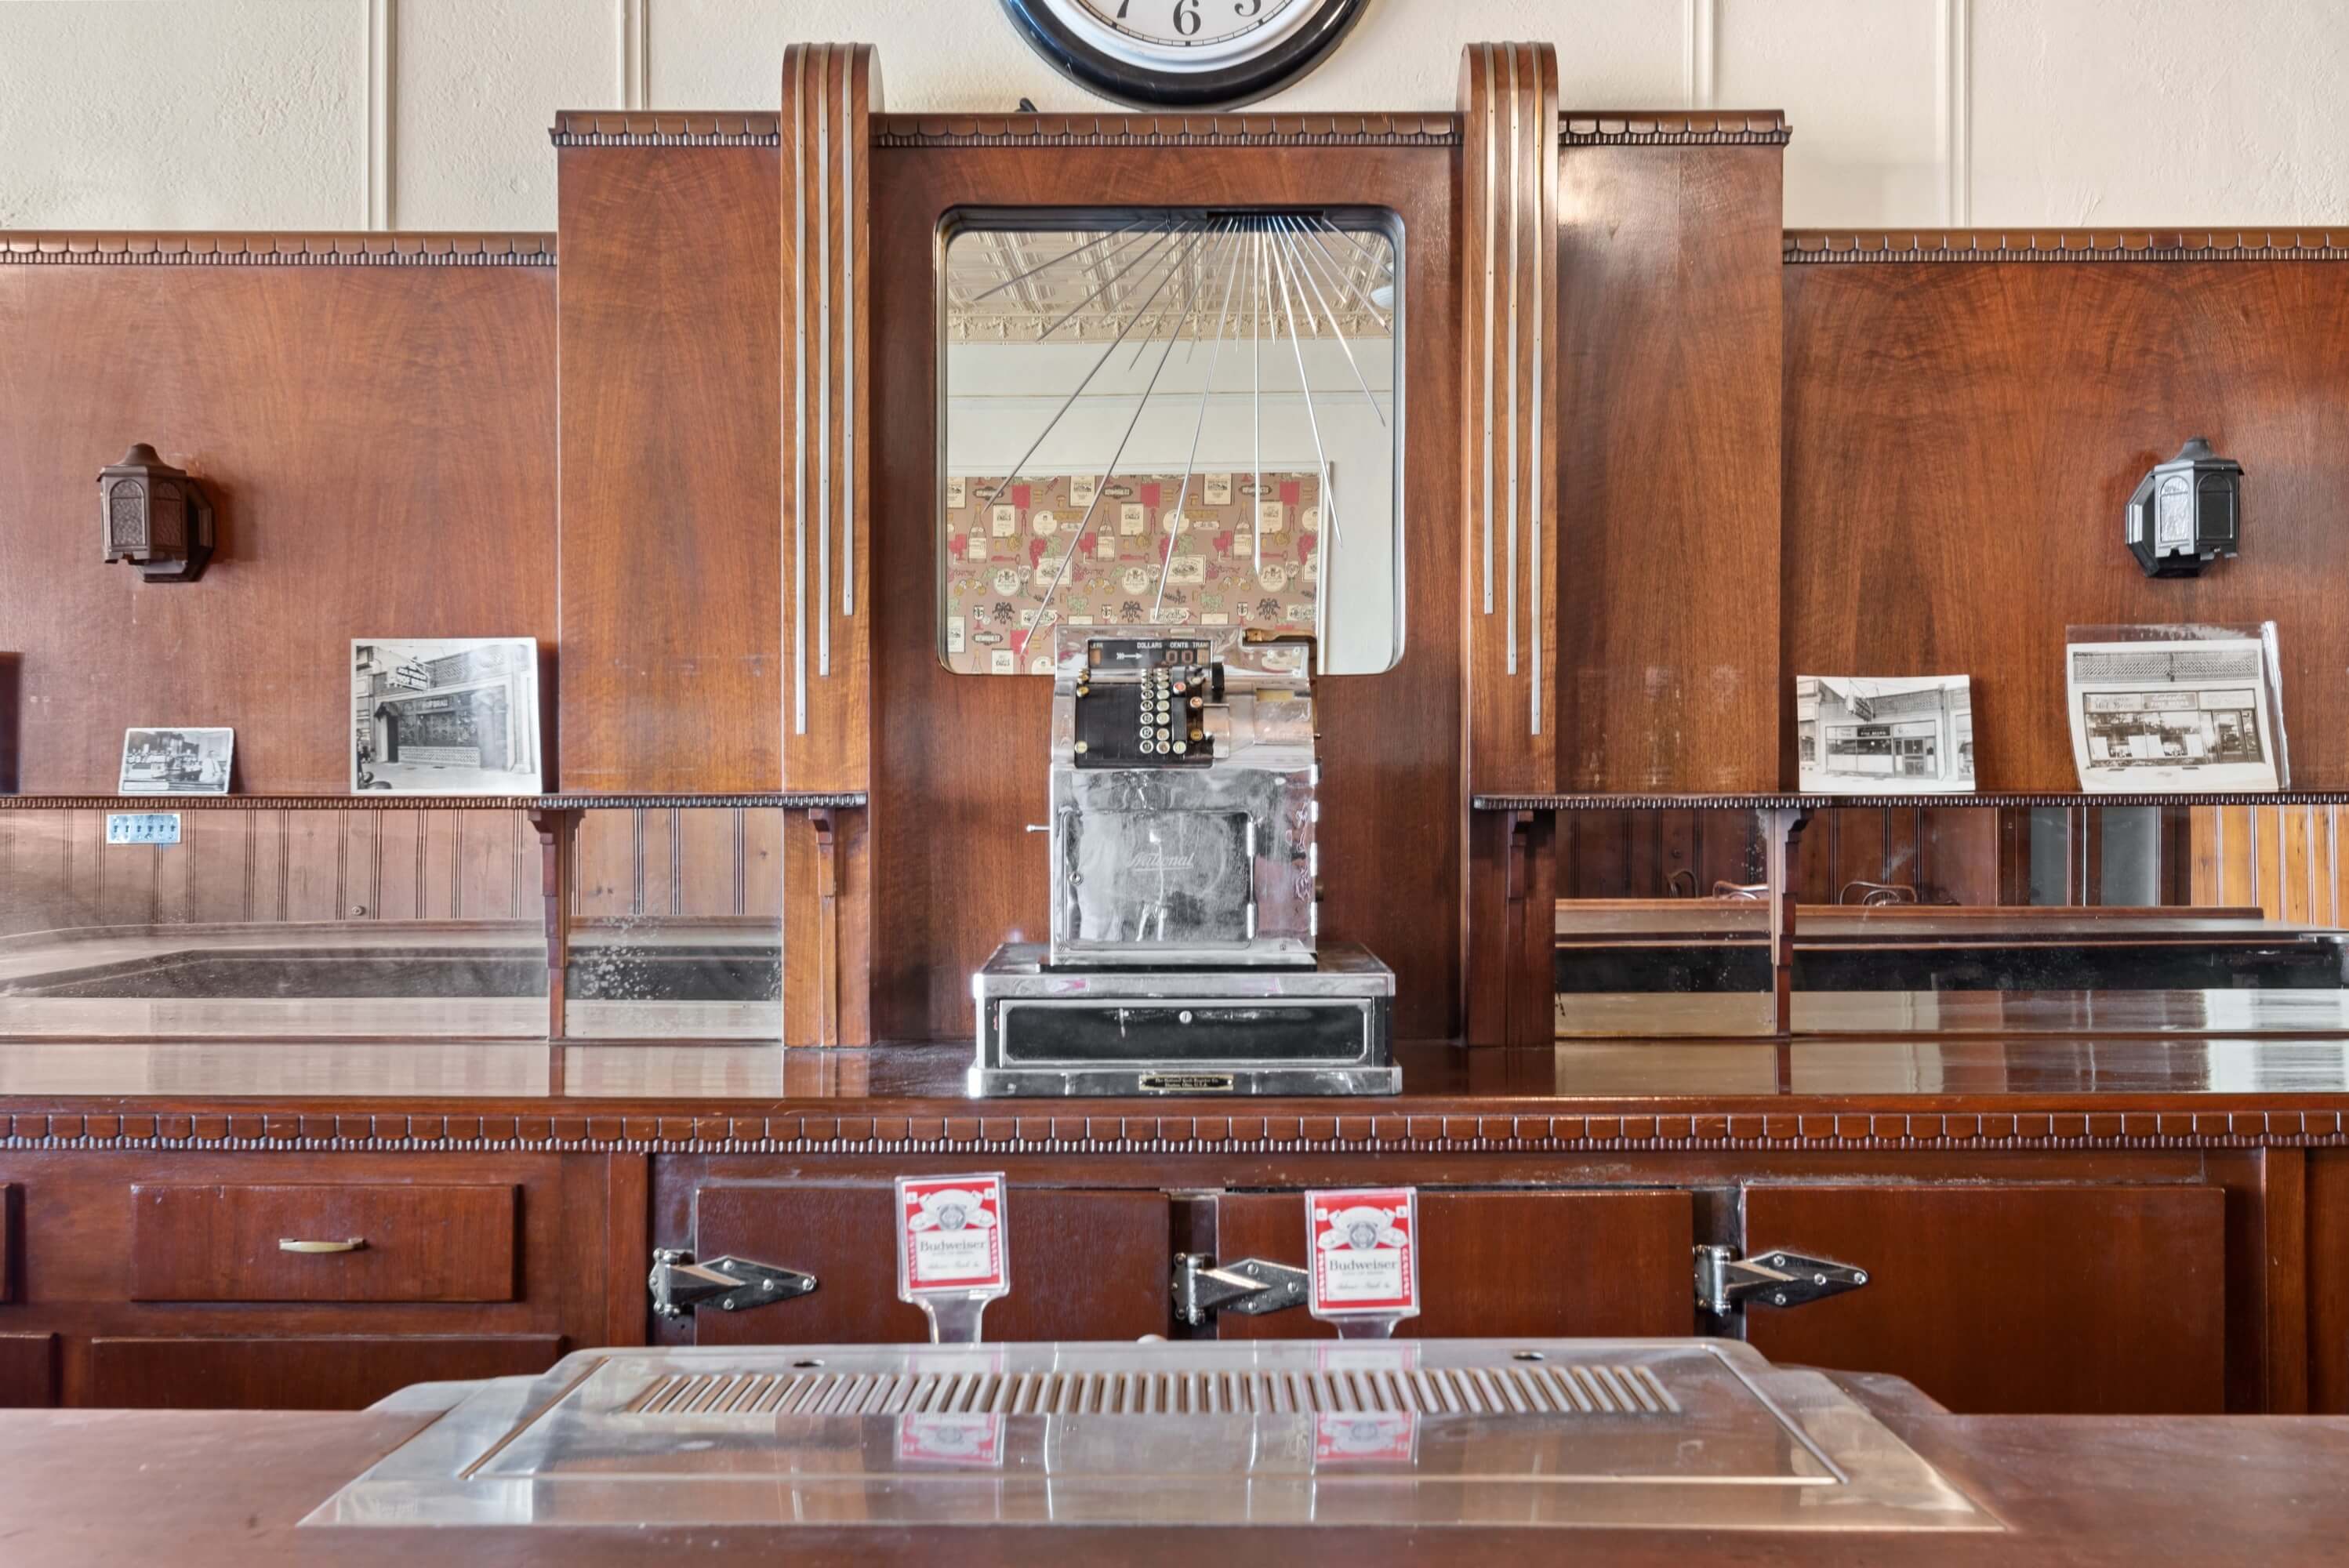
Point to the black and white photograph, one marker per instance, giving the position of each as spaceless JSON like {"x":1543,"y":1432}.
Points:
{"x":1889,"y":735}
{"x":445,"y":716}
{"x":176,"y":761}
{"x":2184,"y":715}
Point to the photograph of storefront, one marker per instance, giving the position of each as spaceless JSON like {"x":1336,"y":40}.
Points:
{"x":2185,"y":728}
{"x":2189,"y":712}
{"x":176,"y":761}
{"x":445,"y":718}
{"x":1860,"y":734}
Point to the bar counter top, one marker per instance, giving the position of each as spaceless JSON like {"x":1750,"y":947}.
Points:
{"x":1837,"y":1089}
{"x":197,"y":1489}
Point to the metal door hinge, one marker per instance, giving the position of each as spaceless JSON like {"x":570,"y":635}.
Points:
{"x":680,"y":1285}
{"x":1724,"y":1282}
{"x":1203,"y":1288}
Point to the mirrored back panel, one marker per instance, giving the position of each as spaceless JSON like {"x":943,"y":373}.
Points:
{"x":1170,"y":417}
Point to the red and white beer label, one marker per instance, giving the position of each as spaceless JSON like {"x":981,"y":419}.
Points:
{"x":950,"y":1236}
{"x":1365,"y":1251}
{"x":1365,"y":1436}
{"x":954,"y":1438}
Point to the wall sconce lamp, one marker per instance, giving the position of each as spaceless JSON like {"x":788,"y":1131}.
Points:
{"x":2187,"y":513}
{"x":154,"y":516}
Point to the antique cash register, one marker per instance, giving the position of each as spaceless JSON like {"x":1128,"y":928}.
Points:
{"x":1185,"y":957}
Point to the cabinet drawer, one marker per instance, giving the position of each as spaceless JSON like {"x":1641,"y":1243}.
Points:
{"x":414,"y":1243}
{"x":317,"y":1374}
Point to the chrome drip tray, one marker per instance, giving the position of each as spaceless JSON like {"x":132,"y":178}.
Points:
{"x":1651,"y":1434}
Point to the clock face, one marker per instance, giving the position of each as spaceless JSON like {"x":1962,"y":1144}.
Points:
{"x":1183,"y":35}
{"x":1192,"y":54}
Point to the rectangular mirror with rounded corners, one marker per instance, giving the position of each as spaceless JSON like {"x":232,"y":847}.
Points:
{"x":1158,"y":417}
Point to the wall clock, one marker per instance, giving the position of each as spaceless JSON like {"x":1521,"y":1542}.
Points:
{"x":1184,"y":54}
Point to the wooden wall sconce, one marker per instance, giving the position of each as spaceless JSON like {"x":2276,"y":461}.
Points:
{"x":154,"y":516}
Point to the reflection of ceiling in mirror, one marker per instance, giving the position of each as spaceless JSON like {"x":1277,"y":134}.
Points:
{"x":1013,"y":285}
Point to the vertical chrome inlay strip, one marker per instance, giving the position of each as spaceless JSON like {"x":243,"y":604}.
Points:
{"x":799,"y":392}
{"x":849,"y":229}
{"x":1492,"y":162}
{"x":823,"y":366}
{"x":1516,"y":196}
{"x":1545,"y":166}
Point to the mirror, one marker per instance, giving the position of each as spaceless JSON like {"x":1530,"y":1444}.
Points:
{"x":1171,"y":416}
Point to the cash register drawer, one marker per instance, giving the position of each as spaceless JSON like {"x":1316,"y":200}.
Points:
{"x":381,"y":1241}
{"x":1055,"y":1032}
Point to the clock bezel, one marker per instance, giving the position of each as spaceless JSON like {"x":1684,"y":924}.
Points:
{"x":1144,"y":85}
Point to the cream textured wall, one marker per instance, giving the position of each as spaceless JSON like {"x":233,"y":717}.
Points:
{"x":431,"y":114}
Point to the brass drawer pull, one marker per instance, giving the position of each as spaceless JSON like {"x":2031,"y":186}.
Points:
{"x":287,"y":1244}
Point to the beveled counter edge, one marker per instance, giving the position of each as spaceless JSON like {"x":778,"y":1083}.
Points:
{"x":929,"y":1127}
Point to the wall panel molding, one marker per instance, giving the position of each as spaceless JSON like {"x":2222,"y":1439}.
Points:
{"x":112,"y":247}
{"x":1836,"y":247}
{"x":1954,"y":92}
{"x":1700,"y":36}
{"x":635,"y":52}
{"x":382,"y":112}
{"x":1626,"y":128}
{"x":646,"y":127}
{"x":1166,"y":130}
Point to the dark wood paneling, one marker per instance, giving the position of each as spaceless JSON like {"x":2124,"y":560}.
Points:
{"x":672,"y":563}
{"x":421,"y":1243}
{"x":1083,"y":1265}
{"x":1669,"y":581}
{"x":29,"y":1371}
{"x":267,"y":867}
{"x":2104,"y":1300}
{"x":379,"y":443}
{"x":2328,"y":1281}
{"x":627,"y":1242}
{"x":341,"y":1373}
{"x":1960,"y":440}
{"x":1499,"y":1264}
{"x":953,"y":874}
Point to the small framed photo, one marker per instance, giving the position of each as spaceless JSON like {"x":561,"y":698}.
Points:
{"x":445,"y":716}
{"x":1884,"y":734}
{"x":176,"y":761}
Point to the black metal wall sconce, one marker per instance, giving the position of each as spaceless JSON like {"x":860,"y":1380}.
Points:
{"x":155,"y":516}
{"x":2187,"y":513}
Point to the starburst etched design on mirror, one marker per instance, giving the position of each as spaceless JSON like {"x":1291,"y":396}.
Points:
{"x":1170,"y":418}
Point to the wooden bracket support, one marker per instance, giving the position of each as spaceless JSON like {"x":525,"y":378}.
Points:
{"x":827,"y":893}
{"x":1781,"y":829}
{"x":558,"y":842}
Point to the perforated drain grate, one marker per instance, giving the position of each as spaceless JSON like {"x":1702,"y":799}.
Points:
{"x":1509,"y":1388}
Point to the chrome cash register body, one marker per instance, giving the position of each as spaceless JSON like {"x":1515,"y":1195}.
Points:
{"x":1184,"y":956}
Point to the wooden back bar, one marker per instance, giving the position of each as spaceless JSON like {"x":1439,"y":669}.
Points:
{"x":1669,"y":476}
{"x":1965,"y":417}
{"x":671,"y":438}
{"x":1746,"y":456}
{"x":374,"y":420}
